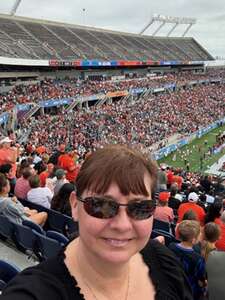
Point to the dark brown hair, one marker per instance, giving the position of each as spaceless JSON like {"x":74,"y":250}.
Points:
{"x":211,"y":232}
{"x":116,"y":164}
{"x":190,"y":215}
{"x":26,"y":173}
{"x":3,"y":181}
{"x":34,"y":181}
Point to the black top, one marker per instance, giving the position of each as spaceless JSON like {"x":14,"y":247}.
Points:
{"x":52,"y":280}
{"x":194,"y":267}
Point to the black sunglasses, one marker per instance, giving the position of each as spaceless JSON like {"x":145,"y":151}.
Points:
{"x":103,"y":208}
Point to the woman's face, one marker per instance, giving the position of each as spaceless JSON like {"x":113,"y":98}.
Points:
{"x":117,"y":239}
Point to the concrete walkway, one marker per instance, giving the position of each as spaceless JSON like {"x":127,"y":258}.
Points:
{"x":12,"y":255}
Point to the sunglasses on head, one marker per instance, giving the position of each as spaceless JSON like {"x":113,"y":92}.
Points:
{"x":104,"y":208}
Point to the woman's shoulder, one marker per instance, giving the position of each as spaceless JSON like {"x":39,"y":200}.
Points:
{"x":48,"y":280}
{"x":166,"y":272}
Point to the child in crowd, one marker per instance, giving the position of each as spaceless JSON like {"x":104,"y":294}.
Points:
{"x":211,"y":234}
{"x":193,"y":263}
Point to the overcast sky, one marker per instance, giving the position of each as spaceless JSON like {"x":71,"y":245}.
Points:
{"x":133,"y":15}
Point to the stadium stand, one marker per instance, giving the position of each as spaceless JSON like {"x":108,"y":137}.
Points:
{"x":35,"y":39}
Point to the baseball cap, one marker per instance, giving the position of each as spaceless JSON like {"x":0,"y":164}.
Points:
{"x":193,"y":197}
{"x":164,"y":196}
{"x":5,"y":140}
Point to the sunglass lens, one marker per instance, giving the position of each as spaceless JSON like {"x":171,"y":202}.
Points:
{"x":141,"y":210}
{"x":100,"y":208}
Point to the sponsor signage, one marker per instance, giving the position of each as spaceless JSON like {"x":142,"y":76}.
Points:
{"x":117,"y":94}
{"x":4,"y":118}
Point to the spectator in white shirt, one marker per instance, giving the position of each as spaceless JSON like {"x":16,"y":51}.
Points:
{"x":37,"y":194}
{"x":61,"y":180}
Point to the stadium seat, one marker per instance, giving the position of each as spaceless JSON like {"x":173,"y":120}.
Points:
{"x":6,"y":228}
{"x":56,"y":220}
{"x":48,"y":247}
{"x":24,"y":238}
{"x":158,"y":224}
{"x":32,"y":205}
{"x":169,"y":238}
{"x":62,"y":223}
{"x":57,"y":236}
{"x":34,"y":226}
{"x":7,"y":272}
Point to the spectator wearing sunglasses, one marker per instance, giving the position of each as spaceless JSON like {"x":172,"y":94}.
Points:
{"x":113,"y":257}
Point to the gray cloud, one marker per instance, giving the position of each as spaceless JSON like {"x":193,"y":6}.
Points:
{"x":133,"y":15}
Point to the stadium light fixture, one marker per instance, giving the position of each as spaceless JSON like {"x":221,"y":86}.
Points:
{"x":15,"y":7}
{"x":168,"y":19}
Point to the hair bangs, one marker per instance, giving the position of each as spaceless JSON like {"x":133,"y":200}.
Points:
{"x":118,"y":165}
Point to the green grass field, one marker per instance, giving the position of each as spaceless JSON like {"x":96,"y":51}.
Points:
{"x":192,"y":153}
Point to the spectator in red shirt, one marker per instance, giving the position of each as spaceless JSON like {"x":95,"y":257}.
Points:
{"x":177,"y":179}
{"x":220,"y":244}
{"x":162,"y":211}
{"x":169,"y":175}
{"x":45,"y":174}
{"x":67,"y":162}
{"x":191,"y":204}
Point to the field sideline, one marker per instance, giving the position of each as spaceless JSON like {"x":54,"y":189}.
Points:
{"x":195,"y":154}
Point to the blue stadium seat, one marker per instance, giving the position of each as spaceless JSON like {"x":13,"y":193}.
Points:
{"x":32,"y":205}
{"x":56,"y":220}
{"x":34,"y":226}
{"x":158,"y":224}
{"x":57,"y":236}
{"x":169,"y":238}
{"x":24,"y":238}
{"x":62,"y":223}
{"x":7,"y":272}
{"x":48,"y":247}
{"x":6,"y":228}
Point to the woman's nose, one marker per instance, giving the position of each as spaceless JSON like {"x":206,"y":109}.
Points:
{"x":121,"y":221}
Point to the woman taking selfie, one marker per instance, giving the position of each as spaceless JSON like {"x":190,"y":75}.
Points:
{"x":113,"y":258}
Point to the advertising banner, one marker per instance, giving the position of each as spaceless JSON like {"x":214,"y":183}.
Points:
{"x":55,"y":102}
{"x":117,"y":94}
{"x":4,"y":118}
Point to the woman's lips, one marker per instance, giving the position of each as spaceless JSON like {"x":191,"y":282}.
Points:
{"x":117,"y":242}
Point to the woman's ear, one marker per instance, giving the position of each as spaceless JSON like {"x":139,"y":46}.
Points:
{"x":74,"y":205}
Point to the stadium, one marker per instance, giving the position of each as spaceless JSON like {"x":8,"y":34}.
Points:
{"x":67,"y":90}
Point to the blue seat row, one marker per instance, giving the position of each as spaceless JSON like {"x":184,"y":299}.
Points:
{"x":32,"y":239}
{"x":56,"y":220}
{"x":7,"y":272}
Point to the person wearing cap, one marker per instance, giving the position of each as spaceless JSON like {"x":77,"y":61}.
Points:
{"x":162,"y":211}
{"x":8,"y":154}
{"x":67,"y":162}
{"x":191,"y":204}
{"x":61,"y":180}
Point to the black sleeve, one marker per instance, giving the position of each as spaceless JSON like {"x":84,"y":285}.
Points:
{"x":34,"y":284}
{"x":166,"y":273}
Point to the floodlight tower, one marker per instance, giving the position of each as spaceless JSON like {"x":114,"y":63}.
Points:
{"x":166,"y":20}
{"x":15,"y":7}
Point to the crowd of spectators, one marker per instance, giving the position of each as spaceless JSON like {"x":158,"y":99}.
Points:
{"x":142,"y":123}
{"x":70,"y":88}
{"x":181,"y":195}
